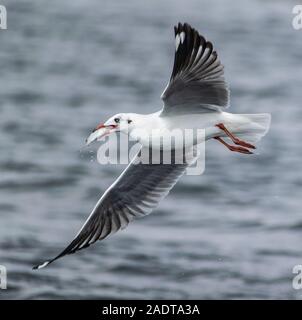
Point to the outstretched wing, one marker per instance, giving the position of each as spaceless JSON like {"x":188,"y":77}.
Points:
{"x":197,"y":82}
{"x":134,"y":194}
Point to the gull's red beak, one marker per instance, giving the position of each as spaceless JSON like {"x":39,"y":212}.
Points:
{"x":101,"y":126}
{"x":99,"y":132}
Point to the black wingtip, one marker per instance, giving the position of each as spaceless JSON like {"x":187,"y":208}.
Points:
{"x":42,"y":265}
{"x":181,"y":26}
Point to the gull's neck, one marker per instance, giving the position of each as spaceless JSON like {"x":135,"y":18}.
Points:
{"x":143,"y":123}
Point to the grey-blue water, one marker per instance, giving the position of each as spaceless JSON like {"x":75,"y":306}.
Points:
{"x":235,"y":232}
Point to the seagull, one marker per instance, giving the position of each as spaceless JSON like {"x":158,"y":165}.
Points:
{"x":196,"y":97}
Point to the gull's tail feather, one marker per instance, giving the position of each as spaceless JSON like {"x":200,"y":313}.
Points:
{"x":255,"y":128}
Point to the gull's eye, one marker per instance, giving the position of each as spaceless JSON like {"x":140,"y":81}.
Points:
{"x":117,"y":120}
{"x":129,"y":121}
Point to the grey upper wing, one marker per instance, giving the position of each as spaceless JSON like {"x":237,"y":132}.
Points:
{"x":135,"y":193}
{"x":197,"y":82}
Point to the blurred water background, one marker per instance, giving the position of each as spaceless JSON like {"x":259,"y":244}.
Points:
{"x":235,"y":232}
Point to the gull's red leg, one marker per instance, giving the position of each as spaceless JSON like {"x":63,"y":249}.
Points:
{"x":236,"y":140}
{"x":234,"y":148}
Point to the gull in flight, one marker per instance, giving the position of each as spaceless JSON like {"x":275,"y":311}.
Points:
{"x":196,"y":97}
